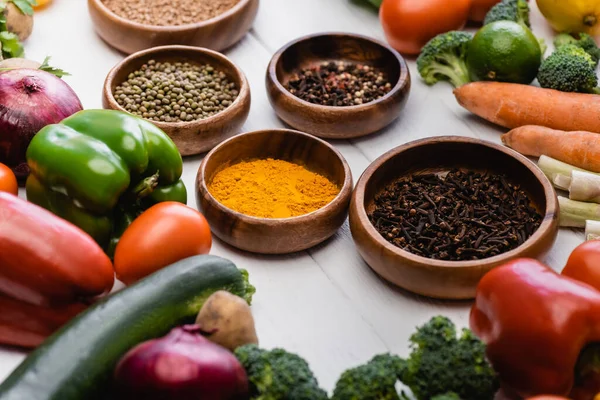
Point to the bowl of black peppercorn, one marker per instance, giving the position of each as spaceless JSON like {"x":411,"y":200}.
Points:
{"x":337,"y":85}
{"x":434,"y":215}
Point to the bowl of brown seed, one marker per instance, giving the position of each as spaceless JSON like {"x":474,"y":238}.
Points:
{"x":134,"y":25}
{"x":337,"y":85}
{"x":197,"y":96}
{"x":434,"y":215}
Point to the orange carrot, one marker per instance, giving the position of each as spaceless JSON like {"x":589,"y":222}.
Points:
{"x":512,"y":105}
{"x":578,"y":148}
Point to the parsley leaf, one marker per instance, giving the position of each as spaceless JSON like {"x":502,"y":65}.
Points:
{"x":56,"y":71}
{"x":26,"y":6}
{"x":11,"y":46}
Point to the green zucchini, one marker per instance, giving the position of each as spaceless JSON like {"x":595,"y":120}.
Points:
{"x":77,"y":362}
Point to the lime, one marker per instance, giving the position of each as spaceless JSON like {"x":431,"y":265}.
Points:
{"x":504,"y":51}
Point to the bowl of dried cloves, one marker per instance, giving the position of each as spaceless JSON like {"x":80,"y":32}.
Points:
{"x":434,"y":215}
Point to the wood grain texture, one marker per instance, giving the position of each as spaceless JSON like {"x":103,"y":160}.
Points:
{"x":192,"y":137}
{"x":282,"y":235}
{"x":437,"y":278}
{"x":217,"y":33}
{"x":337,"y":122}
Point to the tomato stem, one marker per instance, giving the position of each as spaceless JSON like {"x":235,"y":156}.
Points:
{"x":590,"y":20}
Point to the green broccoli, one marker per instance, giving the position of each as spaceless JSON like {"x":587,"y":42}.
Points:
{"x":278,"y":375}
{"x":447,"y":396}
{"x":440,"y":363}
{"x":375,"y":380}
{"x":444,"y":58}
{"x":583,"y":40}
{"x":569,"y":69}
{"x":509,"y":10}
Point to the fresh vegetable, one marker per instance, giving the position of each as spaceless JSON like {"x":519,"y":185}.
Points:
{"x":26,"y":325}
{"x":375,"y":3}
{"x":572,"y":15}
{"x":578,"y":148}
{"x":46,"y":260}
{"x":547,"y":397}
{"x":558,"y":172}
{"x":440,"y":363}
{"x":583,"y":262}
{"x":17,"y":63}
{"x":504,"y":51}
{"x":31,"y":99}
{"x":592,"y":230}
{"x":277,"y":375}
{"x":182,"y":365}
{"x":100,"y":169}
{"x":574,"y":214}
{"x":509,"y":10}
{"x":16,"y":25}
{"x":78,"y":361}
{"x":226,"y":319}
{"x":511,"y":105}
{"x":447,"y":396}
{"x":480,"y":8}
{"x":536,"y":323}
{"x":444,"y":58}
{"x":8,"y":181}
{"x":409,"y":25}
{"x":164,"y":234}
{"x":583,"y":40}
{"x":584,"y":186}
{"x":374,"y":380}
{"x":569,"y":69}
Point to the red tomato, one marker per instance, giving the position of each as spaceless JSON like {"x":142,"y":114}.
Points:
{"x":8,"y":181}
{"x":410,"y":24}
{"x":584,"y":263}
{"x":162,"y":235}
{"x":548,"y":397}
{"x":480,"y":8}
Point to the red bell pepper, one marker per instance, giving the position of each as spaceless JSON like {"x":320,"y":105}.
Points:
{"x":536,"y":323}
{"x":46,"y":260}
{"x":584,"y":263}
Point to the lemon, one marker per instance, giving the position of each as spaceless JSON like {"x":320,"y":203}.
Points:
{"x":572,"y":15}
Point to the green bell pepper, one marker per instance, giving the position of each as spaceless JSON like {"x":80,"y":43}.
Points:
{"x":100,"y":169}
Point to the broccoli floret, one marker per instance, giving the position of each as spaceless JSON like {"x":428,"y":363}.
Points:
{"x":375,"y":380}
{"x":509,"y":10}
{"x":278,"y":375}
{"x":447,"y":396}
{"x":569,"y":69}
{"x":444,"y":58}
{"x":583,"y":40}
{"x":441,"y":363}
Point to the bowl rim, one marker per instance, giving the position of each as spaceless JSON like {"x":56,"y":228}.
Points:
{"x":544,"y":229}
{"x":244,"y":90}
{"x":342,"y":197}
{"x":403,"y":78}
{"x":171,"y":28}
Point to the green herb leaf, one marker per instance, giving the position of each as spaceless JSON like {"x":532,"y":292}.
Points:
{"x":56,"y":71}
{"x":11,"y":46}
{"x":26,"y":6}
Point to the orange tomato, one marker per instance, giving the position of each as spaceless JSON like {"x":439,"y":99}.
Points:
{"x":164,"y":234}
{"x":584,"y":263}
{"x":410,"y":24}
{"x":8,"y":181}
{"x":480,"y":8}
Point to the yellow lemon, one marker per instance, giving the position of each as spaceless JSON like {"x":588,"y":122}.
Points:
{"x":572,"y":15}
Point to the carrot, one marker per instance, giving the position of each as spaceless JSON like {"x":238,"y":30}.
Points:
{"x":512,"y":105}
{"x":578,"y":148}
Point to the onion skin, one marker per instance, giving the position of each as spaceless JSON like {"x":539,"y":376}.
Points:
{"x":182,"y":365}
{"x":29,"y":100}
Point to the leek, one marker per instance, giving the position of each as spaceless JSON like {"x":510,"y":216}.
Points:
{"x":575,"y":213}
{"x":592,"y":230}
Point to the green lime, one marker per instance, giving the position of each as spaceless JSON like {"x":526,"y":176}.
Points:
{"x":504,"y":51}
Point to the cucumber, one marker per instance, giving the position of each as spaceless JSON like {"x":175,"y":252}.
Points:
{"x":77,"y":362}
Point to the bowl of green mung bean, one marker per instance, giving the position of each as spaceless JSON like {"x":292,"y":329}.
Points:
{"x":197,"y":96}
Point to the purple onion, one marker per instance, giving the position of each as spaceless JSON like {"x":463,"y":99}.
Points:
{"x":29,"y":100}
{"x":182,"y":365}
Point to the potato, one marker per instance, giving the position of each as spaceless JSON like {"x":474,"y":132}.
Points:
{"x":227,"y":320}
{"x":17,"y":22}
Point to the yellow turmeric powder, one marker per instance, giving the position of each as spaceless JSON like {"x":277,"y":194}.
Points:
{"x":272,"y":189}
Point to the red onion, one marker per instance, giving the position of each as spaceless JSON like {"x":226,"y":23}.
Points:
{"x":181,"y":366}
{"x":29,"y":100}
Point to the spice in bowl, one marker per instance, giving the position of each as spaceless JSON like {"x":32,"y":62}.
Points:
{"x":272,"y":188}
{"x":176,"y":92}
{"x":169,"y":12}
{"x":455,"y":216}
{"x":339,"y":84}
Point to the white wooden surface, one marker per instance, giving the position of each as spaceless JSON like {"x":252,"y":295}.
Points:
{"x":324,"y":303}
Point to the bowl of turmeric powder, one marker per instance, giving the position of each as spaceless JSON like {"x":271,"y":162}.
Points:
{"x":275,"y":191}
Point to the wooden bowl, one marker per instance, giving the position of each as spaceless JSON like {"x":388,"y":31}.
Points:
{"x":435,"y":278}
{"x":217,"y":33}
{"x":191,"y":137}
{"x":275,"y":236}
{"x":337,"y":122}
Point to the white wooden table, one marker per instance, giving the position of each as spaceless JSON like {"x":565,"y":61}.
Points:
{"x":324,"y":303}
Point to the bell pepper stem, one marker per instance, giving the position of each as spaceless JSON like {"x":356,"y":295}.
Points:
{"x":146,"y":186}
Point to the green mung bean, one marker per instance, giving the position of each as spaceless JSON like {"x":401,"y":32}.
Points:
{"x":176,"y":92}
